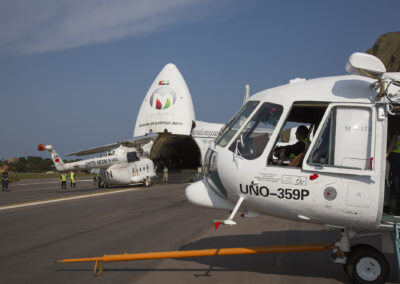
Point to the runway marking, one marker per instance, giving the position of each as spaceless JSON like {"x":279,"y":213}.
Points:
{"x":13,"y":184}
{"x":67,"y":198}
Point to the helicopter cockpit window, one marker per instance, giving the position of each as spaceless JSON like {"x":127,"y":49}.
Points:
{"x":251,"y":141}
{"x":236,"y":123}
{"x":297,"y":133}
{"x":132,"y":157}
{"x":345,"y":140}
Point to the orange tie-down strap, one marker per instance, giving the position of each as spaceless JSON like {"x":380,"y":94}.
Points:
{"x":197,"y":253}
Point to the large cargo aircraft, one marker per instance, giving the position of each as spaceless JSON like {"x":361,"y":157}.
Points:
{"x":168,"y":109}
{"x":166,"y":127}
{"x":167,"y":117}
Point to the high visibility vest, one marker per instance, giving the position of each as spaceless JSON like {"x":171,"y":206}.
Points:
{"x":64,"y":177}
{"x":307,"y":142}
{"x":397,"y":147}
{"x":72,"y":176}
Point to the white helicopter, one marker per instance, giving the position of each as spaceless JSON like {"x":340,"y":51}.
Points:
{"x":338,"y":181}
{"x":121,"y":166}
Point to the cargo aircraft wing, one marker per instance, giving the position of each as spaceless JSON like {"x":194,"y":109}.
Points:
{"x":138,"y":140}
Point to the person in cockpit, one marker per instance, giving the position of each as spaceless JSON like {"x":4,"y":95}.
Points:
{"x":291,"y":151}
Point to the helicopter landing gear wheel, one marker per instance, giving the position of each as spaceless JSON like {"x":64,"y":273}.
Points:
{"x":366,"y":264}
{"x":146,"y":183}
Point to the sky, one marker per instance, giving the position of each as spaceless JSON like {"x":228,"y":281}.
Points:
{"x":73,"y":74}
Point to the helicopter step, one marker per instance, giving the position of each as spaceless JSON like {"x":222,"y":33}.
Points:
{"x":392,"y":222}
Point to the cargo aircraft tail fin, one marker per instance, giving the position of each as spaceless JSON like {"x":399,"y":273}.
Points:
{"x":167,"y":106}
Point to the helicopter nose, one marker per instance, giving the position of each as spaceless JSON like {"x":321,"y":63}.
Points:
{"x":201,"y":194}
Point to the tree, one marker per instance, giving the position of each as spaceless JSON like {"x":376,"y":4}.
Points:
{"x":20,"y":166}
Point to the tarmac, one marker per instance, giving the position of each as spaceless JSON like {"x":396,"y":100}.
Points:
{"x":41,"y":223}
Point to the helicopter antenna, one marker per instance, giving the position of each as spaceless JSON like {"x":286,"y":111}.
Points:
{"x":246,"y":93}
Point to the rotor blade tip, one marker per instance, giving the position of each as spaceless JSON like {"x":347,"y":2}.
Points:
{"x":41,"y":147}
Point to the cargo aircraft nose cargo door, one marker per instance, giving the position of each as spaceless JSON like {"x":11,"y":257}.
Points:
{"x":180,"y":151}
{"x":167,"y":109}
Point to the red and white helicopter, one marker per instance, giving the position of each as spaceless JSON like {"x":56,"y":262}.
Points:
{"x":120,"y":166}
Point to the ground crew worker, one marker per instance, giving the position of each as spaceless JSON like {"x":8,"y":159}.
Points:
{"x":291,"y":151}
{"x":73,"y":179}
{"x":63,"y":180}
{"x":100,"y":182}
{"x":307,"y":143}
{"x":165,"y":175}
{"x":94,"y":179}
{"x":4,"y":181}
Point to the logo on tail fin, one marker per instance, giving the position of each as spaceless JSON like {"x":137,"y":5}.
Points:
{"x":162,"y":83}
{"x":163,"y":97}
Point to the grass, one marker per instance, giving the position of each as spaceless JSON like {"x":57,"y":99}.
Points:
{"x":13,"y":177}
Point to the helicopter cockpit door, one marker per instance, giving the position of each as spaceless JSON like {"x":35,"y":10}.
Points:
{"x":345,"y":141}
{"x":346,"y":157}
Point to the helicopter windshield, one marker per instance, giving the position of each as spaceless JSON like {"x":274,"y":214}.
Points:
{"x":252,"y":139}
{"x":236,"y":123}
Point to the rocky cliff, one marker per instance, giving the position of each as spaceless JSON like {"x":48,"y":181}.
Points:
{"x":387,"y":49}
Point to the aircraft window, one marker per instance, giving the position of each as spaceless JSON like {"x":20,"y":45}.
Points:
{"x":132,"y":157}
{"x":211,"y":174}
{"x":297,"y":134}
{"x":345,"y":141}
{"x":236,"y":123}
{"x":251,"y":141}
